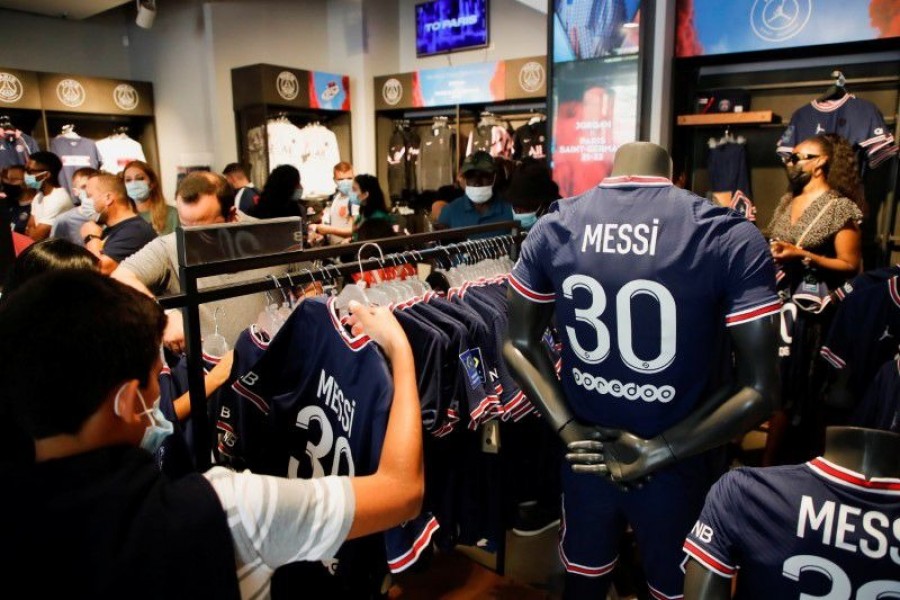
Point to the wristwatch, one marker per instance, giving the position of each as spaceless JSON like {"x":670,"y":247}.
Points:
{"x":90,"y":237}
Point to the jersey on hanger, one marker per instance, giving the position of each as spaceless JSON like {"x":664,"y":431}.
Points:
{"x":645,"y":277}
{"x":530,"y":141}
{"x":436,"y":158}
{"x":118,"y":150}
{"x":75,"y":153}
{"x":865,"y":333}
{"x":816,"y":530}
{"x":856,"y":119}
{"x":880,"y":409}
{"x":16,"y":148}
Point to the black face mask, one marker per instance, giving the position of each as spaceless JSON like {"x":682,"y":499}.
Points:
{"x":798,"y":178}
{"x":12,"y":192}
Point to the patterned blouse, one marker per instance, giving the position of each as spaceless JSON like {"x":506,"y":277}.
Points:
{"x":820,"y":238}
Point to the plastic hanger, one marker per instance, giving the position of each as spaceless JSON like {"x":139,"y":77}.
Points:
{"x":216,"y":345}
{"x":835,"y":91}
{"x":356,"y":291}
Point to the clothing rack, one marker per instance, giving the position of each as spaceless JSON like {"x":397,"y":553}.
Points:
{"x":414,"y":248}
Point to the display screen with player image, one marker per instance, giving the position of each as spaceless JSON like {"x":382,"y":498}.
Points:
{"x":755,"y":25}
{"x":595,"y":110}
{"x":585,"y":29}
{"x":451,"y":25}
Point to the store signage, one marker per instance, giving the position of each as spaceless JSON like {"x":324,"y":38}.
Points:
{"x":289,"y":88}
{"x":329,"y":91}
{"x":473,"y":83}
{"x":71,"y":93}
{"x":464,"y":84}
{"x":589,"y":29}
{"x":392,"y":91}
{"x":287,"y":85}
{"x":126,"y":97}
{"x":77,"y":94}
{"x":531,"y":76}
{"x":450,"y":26}
{"x":756,"y":25}
{"x":11,"y":88}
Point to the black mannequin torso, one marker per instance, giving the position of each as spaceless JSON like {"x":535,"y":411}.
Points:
{"x":869,"y":452}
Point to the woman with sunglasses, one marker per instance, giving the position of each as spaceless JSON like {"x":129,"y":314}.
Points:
{"x":816,"y":243}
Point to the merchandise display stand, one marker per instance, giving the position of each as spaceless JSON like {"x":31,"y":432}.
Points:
{"x":773,"y":89}
{"x":214,"y":250}
{"x":512,"y":91}
{"x":41,"y":104}
{"x":263,"y":93}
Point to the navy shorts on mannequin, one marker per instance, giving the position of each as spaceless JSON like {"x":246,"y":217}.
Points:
{"x":661,"y":513}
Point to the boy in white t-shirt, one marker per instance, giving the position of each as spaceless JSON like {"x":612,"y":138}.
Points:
{"x":338,"y":217}
{"x":42,"y":174}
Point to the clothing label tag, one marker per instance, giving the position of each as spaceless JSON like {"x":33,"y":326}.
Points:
{"x":474,"y":365}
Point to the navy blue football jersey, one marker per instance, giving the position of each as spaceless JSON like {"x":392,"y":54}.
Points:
{"x":856,"y":119}
{"x":249,"y":348}
{"x":645,"y":277}
{"x":815,"y":530}
{"x":880,"y":408}
{"x":428,"y":347}
{"x":865,"y":333}
{"x":864,"y":280}
{"x":727,"y":165}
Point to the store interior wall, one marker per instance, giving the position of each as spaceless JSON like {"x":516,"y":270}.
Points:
{"x":189,"y":52}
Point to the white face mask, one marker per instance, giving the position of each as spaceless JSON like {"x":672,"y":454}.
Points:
{"x":479,"y":194}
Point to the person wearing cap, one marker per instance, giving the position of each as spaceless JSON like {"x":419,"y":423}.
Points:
{"x":479,"y":205}
{"x":531,"y":191}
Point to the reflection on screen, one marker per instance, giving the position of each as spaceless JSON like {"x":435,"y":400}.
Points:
{"x":595,"y":110}
{"x":585,"y":29}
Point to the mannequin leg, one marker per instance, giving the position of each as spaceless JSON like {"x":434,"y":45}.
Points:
{"x":592,"y":526}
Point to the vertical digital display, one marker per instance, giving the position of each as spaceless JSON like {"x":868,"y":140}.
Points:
{"x":595,"y":97}
{"x":451,"y":25}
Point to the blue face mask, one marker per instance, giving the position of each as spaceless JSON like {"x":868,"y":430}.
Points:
{"x":138,"y":190}
{"x":526,"y":220}
{"x":297,"y":195}
{"x":344,"y":186}
{"x":32,"y":181}
{"x":354,"y":198}
{"x":160,"y":427}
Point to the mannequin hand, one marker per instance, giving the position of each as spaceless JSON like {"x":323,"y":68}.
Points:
{"x":631,"y":459}
{"x":785,"y":252}
{"x":585,"y":444}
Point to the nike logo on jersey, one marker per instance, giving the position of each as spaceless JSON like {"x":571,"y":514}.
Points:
{"x":621,"y":238}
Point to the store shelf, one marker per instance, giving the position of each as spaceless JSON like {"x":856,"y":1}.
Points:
{"x":755,"y":117}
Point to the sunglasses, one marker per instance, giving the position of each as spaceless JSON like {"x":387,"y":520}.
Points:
{"x":794,"y":158}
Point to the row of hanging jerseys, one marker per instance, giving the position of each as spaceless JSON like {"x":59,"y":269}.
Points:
{"x":420,"y":160}
{"x":109,"y":154}
{"x":312,"y":149}
{"x":307,"y":399}
{"x":857,"y":120}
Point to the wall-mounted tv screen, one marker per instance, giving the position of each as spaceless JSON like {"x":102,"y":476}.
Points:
{"x":450,"y":26}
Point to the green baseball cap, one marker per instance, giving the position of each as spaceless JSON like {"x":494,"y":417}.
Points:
{"x":478,"y":161}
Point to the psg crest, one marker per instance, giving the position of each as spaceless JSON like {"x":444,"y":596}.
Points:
{"x":70,"y":92}
{"x":11,"y":89}
{"x":126,"y":97}
{"x":531,"y":76}
{"x":288,"y":86}
{"x":778,"y":20}
{"x":392,"y":91}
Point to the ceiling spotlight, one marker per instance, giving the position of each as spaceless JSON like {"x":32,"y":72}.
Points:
{"x":146,"y":13}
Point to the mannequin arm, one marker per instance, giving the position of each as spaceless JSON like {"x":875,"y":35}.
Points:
{"x":702,"y":584}
{"x":727,"y":413}
{"x":531,"y":366}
